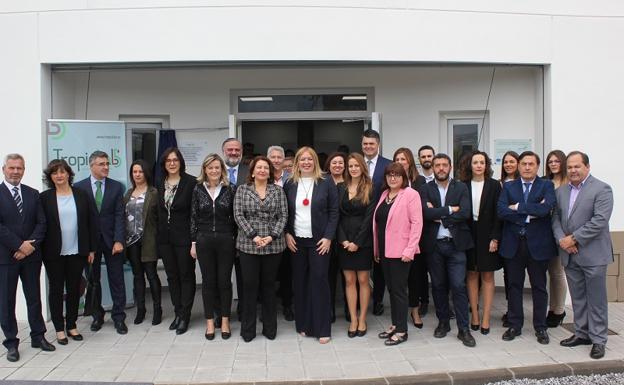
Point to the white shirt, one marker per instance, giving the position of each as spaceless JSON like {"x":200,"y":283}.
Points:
{"x":11,"y":187}
{"x":443,"y":232}
{"x":303,"y":214}
{"x":429,"y":178}
{"x":477,"y":191}
{"x":94,"y":186}
{"x":216,"y":192}
{"x":371,"y":165}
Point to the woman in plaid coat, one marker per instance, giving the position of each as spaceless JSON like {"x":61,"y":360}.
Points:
{"x":261,"y":212}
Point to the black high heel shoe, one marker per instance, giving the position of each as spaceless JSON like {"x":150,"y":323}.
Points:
{"x":351,"y":333}
{"x":553,"y":320}
{"x":485,"y":331}
{"x":416,"y":324}
{"x":475,"y":327}
{"x":210,"y":336}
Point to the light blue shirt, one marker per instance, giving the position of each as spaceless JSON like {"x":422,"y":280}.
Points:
{"x":68,"y":217}
{"x":443,"y":232}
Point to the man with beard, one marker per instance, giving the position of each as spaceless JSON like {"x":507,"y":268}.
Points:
{"x":425,"y":156}
{"x":233,"y":154}
{"x":446,"y":236}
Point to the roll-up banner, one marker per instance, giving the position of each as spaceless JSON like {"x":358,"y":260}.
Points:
{"x":75,"y":140}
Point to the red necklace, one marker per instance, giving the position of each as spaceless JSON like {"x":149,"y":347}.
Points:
{"x":306,"y":201}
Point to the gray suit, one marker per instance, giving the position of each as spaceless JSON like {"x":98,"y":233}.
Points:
{"x":586,"y":272}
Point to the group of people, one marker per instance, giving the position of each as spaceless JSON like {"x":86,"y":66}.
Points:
{"x":299,"y":226}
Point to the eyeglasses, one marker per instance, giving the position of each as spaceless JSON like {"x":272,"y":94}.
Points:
{"x":176,"y":160}
{"x":554,"y":161}
{"x":394,"y":176}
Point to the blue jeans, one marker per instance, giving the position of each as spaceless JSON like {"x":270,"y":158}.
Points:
{"x":447,"y":267}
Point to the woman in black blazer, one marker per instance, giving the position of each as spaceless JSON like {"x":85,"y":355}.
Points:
{"x":483,"y":259}
{"x":418,"y":280}
{"x":355,"y":240}
{"x":71,"y":241}
{"x":312,"y":220}
{"x":174,"y":239}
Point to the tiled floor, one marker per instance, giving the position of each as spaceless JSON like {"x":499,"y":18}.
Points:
{"x":155,"y":354}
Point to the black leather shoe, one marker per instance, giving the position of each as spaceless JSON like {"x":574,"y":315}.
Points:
{"x":13,"y":355}
{"x":597,"y":351}
{"x":485,"y":331}
{"x":269,"y":336}
{"x":553,"y":320}
{"x":441,"y":330}
{"x":175,"y":323}
{"x":542,"y":337}
{"x":225,"y":335}
{"x":97,"y":324}
{"x":474,"y":327}
{"x":423,"y":309}
{"x":209,"y":336}
{"x":466,"y":338}
{"x":573,"y":341}
{"x":62,"y":341}
{"x":43,"y":345}
{"x":351,"y":333}
{"x":76,"y":337}
{"x":157,"y":317}
{"x":289,"y":315}
{"x":510,"y":334}
{"x":183,"y":327}
{"x":121,"y":327}
{"x":378,"y":308}
{"x":361,"y":333}
{"x":248,"y":338}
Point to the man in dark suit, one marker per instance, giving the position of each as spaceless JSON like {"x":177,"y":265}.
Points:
{"x":445,"y":239}
{"x":106,"y":196}
{"x":237,"y":174}
{"x":376,"y":166}
{"x":581,"y":227}
{"x":22,"y":228}
{"x":527,"y":243}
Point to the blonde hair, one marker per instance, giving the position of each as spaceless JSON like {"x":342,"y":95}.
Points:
{"x":365,"y":185}
{"x":207,"y":160}
{"x":296,"y":173}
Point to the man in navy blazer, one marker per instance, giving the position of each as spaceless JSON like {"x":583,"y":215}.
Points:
{"x":376,"y":166}
{"x":106,"y":196}
{"x":527,"y":242}
{"x":22,"y":228}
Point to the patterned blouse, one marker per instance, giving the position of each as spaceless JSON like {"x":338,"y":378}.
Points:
{"x":134,"y":219}
{"x":170,"y":191}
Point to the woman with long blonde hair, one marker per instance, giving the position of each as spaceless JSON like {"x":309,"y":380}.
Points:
{"x":312,"y":220}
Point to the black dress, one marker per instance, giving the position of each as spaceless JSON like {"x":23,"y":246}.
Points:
{"x":488,"y":227}
{"x":355,"y":226}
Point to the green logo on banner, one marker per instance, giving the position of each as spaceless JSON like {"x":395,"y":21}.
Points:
{"x":57,"y":130}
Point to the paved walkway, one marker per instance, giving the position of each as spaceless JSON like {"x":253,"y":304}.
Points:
{"x":155,"y":354}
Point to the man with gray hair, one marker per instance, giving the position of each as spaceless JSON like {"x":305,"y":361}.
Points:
{"x":276,"y":156}
{"x":106,"y":196}
{"x":22,"y":228}
{"x":233,"y":154}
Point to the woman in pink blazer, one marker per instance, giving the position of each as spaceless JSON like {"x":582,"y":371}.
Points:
{"x":397,"y":226}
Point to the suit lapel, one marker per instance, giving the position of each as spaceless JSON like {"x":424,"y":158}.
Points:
{"x":579,"y":196}
{"x":436,"y":199}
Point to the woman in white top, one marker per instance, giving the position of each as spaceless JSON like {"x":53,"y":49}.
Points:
{"x":483,"y":259}
{"x":312,"y":220}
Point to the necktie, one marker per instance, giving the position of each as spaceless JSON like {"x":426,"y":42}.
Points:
{"x":98,"y":194}
{"x":370,"y":172}
{"x":232,"y":175}
{"x":527,"y":189}
{"x":18,"y":199}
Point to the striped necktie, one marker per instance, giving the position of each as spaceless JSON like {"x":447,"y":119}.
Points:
{"x":18,"y":199}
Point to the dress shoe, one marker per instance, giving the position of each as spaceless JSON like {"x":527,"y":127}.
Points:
{"x":361,"y":332}
{"x":140,"y":316}
{"x":157,"y":317}
{"x":553,"y":320}
{"x":396,"y":339}
{"x":574,"y":341}
{"x":474,"y":327}
{"x":351,"y":333}
{"x":97,"y":324}
{"x":505,"y":320}
{"x":542,"y":337}
{"x":597,"y":351}
{"x":378,"y":308}
{"x":418,"y":325}
{"x":13,"y":354}
{"x":466,"y":338}
{"x":209,"y":336}
{"x":248,"y":338}
{"x":510,"y":334}
{"x":423,"y":309}
{"x":485,"y":331}
{"x":121,"y":327}
{"x":183,"y":327}
{"x":62,"y":341}
{"x":270,"y":336}
{"x":175,"y":323}
{"x":441,"y":330}
{"x":289,"y":315}
{"x":386,"y":334}
{"x":43,"y":345}
{"x":76,"y":337}
{"x":225,"y":335}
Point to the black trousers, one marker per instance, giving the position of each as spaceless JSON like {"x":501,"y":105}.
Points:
{"x":537,"y":276}
{"x":140,"y":270}
{"x":418,"y":281}
{"x":284,"y":277}
{"x":28,"y":273}
{"x":259,"y":273}
{"x":64,"y":275}
{"x":215,"y":254}
{"x":397,"y":273}
{"x":180,"y":269}
{"x":312,"y":294}
{"x":379,"y":283}
{"x":114,"y":271}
